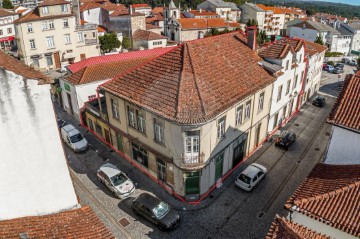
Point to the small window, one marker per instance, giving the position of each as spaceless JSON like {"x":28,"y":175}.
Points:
{"x":261,"y":101}
{"x":159,"y":132}
{"x":248,"y":109}
{"x":131,"y":117}
{"x":44,"y":25}
{"x":9,"y":30}
{"x":295,"y":81}
{"x":140,"y":121}
{"x":80,"y":37}
{"x":221,"y":128}
{"x":50,"y":42}
{"x":67,"y":39}
{"x":66,"y":23}
{"x":288,"y":87}
{"x":32,"y":44}
{"x":279,"y":92}
{"x":49,"y":60}
{"x":287,"y":65}
{"x":51,"y":25}
{"x":64,"y":8}
{"x":29,"y":27}
{"x":45,"y":10}
{"x":239,"y":113}
{"x":115,"y":109}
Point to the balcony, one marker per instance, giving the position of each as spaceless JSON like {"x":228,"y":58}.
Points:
{"x":90,"y":41}
{"x":192,"y":162}
{"x":97,"y":109}
{"x":86,"y":27}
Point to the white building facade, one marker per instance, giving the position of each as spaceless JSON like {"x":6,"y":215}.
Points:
{"x":7,"y":29}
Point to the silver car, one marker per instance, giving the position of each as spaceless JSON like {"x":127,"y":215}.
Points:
{"x":250,"y":176}
{"x":115,"y":180}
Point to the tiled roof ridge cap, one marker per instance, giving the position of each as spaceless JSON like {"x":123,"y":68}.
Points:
{"x":287,"y":228}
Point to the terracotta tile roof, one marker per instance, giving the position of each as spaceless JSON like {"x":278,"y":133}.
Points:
{"x":111,"y":7}
{"x":234,"y":24}
{"x":331,"y":194}
{"x":6,"y":13}
{"x":157,"y":10}
{"x":202,"y":13}
{"x":141,"y":5}
{"x":78,"y":223}
{"x":154,"y":18}
{"x":346,"y":110}
{"x":102,"y":29}
{"x":195,"y":81}
{"x":104,"y":71}
{"x":34,"y":16}
{"x":284,"y":228}
{"x":11,"y":64}
{"x":275,"y":10}
{"x":119,"y":13}
{"x":313,"y":48}
{"x":202,"y":23}
{"x":279,"y":49}
{"x":89,"y":5}
{"x":150,"y":27}
{"x":116,"y":57}
{"x":147,"y":35}
{"x":53,"y":2}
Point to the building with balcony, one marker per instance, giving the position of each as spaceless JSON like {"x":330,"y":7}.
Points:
{"x":190,"y":115}
{"x":228,"y":11}
{"x":7,"y":30}
{"x":142,"y":8}
{"x":51,"y":37}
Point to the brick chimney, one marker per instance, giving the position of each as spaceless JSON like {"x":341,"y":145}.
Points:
{"x":251,"y":36}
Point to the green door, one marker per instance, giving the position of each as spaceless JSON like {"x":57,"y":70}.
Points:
{"x":219,"y":166}
{"x":192,"y":183}
{"x":120,"y":143}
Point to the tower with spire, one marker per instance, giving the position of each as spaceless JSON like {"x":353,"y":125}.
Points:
{"x":171,"y":13}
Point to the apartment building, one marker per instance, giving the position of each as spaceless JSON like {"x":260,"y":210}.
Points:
{"x":49,"y":37}
{"x":228,"y":11}
{"x":186,"y":118}
{"x":7,"y":30}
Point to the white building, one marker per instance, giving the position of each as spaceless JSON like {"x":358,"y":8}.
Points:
{"x":50,"y":37}
{"x":286,"y":60}
{"x":354,"y":28}
{"x":226,"y":10}
{"x":94,"y":13}
{"x":200,"y":14}
{"x":344,"y":143}
{"x":7,"y":30}
{"x":142,"y":8}
{"x":148,"y":40}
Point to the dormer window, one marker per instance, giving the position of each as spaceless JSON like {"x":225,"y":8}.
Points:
{"x":45,"y":10}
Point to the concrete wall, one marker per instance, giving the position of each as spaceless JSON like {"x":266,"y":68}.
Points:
{"x":307,"y":34}
{"x":97,"y":16}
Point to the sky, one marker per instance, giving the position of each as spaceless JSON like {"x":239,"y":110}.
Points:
{"x":352,"y":2}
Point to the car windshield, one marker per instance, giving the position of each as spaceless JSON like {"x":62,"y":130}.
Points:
{"x":118,"y":179}
{"x":160,"y":210}
{"x":244,"y":178}
{"x":76,"y":138}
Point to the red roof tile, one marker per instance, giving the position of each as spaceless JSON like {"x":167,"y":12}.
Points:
{"x":141,"y":5}
{"x":154,"y":18}
{"x":202,"y":23}
{"x":195,"y":81}
{"x":78,"y":223}
{"x":53,"y":2}
{"x":147,"y":35}
{"x":313,"y":48}
{"x":284,"y":228}
{"x":331,"y":193}
{"x":150,"y":27}
{"x":113,"y":7}
{"x":275,"y":10}
{"x":34,"y":16}
{"x":279,"y":49}
{"x":346,"y":111}
{"x":116,"y":57}
{"x":89,"y":5}
{"x":11,"y":64}
{"x":157,"y":10}
{"x":202,"y":13}
{"x":6,"y":13}
{"x":102,"y":29}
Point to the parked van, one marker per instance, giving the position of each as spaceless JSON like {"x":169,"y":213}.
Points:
{"x":74,"y":138}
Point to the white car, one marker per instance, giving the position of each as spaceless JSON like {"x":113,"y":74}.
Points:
{"x":115,"y":180}
{"x":250,"y":176}
{"x":74,"y":138}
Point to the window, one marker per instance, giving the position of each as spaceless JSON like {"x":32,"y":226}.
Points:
{"x":221,"y":128}
{"x":131,"y":117}
{"x":300,"y":60}
{"x":32,"y":44}
{"x":288,"y":87}
{"x":51,"y":25}
{"x":161,"y":169}
{"x":140,"y":154}
{"x":1,"y":32}
{"x":261,"y":101}
{"x":44,"y":25}
{"x":159,"y":132}
{"x":192,"y":143}
{"x":302,"y":76}
{"x":45,"y":10}
{"x":279,"y":93}
{"x":64,"y":8}
{"x":115,"y":109}
{"x":80,"y":37}
{"x":247,"y":109}
{"x":67,"y":39}
{"x":94,"y":34}
{"x":287,"y":65}
{"x":29,"y":27}
{"x":295,"y":81}
{"x":91,"y":97}
{"x":140,"y":121}
{"x":49,"y":60}
{"x":50,"y":42}
{"x":9,"y":30}
{"x":239,"y":112}
{"x":156,"y":43}
{"x":66,"y":23}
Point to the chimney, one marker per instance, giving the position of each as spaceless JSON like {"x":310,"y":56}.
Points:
{"x":251,"y":36}
{"x":200,"y":10}
{"x":76,"y":10}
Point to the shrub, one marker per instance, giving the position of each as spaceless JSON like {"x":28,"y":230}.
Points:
{"x":331,"y":63}
{"x":333,"y":54}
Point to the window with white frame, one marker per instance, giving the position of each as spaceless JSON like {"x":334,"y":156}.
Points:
{"x":45,"y":10}
{"x":295,"y":81}
{"x":131,"y":117}
{"x":50,"y":42}
{"x":66,"y":23}
{"x":51,"y":25}
{"x":80,"y":37}
{"x":156,"y":43}
{"x":261,"y":101}
{"x":9,"y":30}
{"x":192,"y":143}
{"x":115,"y":109}
{"x":32,"y":44}
{"x":141,"y":121}
{"x":239,"y":113}
{"x":30,"y":28}
{"x":158,"y":131}
{"x":279,"y":92}
{"x":44,"y":25}
{"x":248,"y":109}
{"x":64,"y":8}
{"x":221,"y":128}
{"x":287,"y":65}
{"x":288,"y":87}
{"x":67,"y":39}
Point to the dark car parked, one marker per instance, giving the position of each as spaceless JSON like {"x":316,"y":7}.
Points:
{"x":338,"y":70}
{"x":156,"y":211}
{"x":339,"y":65}
{"x":285,"y":139}
{"x":319,"y":101}
{"x":61,"y":123}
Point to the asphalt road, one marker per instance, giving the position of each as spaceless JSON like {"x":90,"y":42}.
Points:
{"x":231,"y":213}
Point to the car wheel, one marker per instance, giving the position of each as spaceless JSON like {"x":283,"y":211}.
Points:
{"x":135,"y":212}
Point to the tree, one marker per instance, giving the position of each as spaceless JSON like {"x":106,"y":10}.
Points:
{"x":7,"y":4}
{"x":109,"y":42}
{"x":126,"y":43}
{"x":319,"y":39}
{"x":261,"y":37}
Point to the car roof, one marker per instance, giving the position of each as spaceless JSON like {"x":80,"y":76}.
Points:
{"x":320,"y":97}
{"x":251,"y":171}
{"x":70,"y":129}
{"x":110,"y":170}
{"x":148,"y":200}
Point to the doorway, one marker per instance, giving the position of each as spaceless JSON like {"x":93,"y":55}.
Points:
{"x":219,"y":161}
{"x":239,"y":150}
{"x":107,"y":136}
{"x":57,"y":60}
{"x":192,"y":183}
{"x":257,"y":134}
{"x":70,"y":104}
